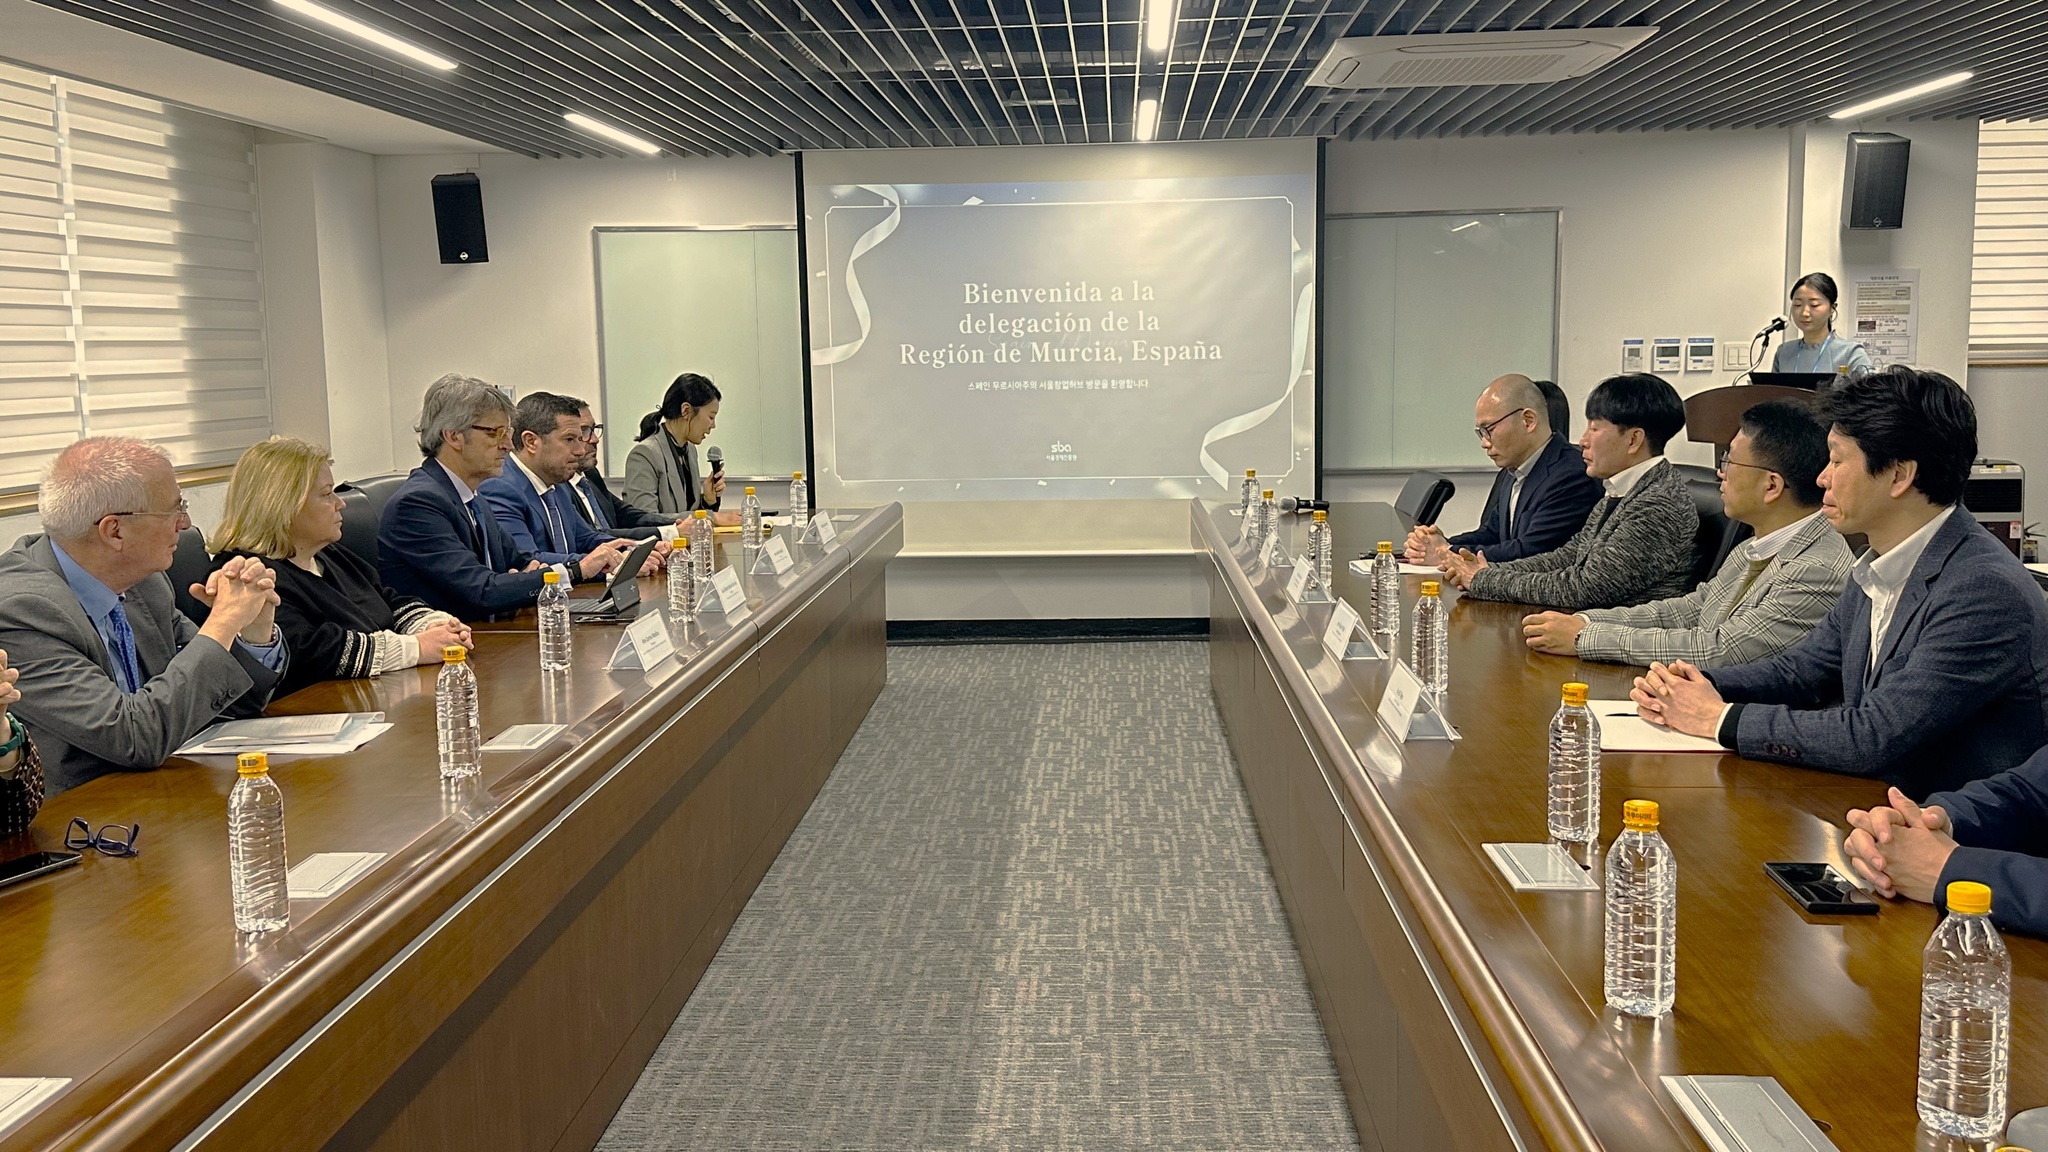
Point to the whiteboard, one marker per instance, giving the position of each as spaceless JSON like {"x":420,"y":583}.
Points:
{"x":719,"y":302}
{"x":1420,"y":312}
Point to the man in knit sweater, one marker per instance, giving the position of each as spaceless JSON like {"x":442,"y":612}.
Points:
{"x":1637,"y":544}
{"x":1772,"y":589}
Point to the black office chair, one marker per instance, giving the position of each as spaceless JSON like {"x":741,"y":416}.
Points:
{"x":1718,"y":535}
{"x":1423,"y":497}
{"x":189,"y":566}
{"x":362,"y":505}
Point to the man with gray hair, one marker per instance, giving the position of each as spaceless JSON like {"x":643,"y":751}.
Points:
{"x":113,"y":676}
{"x":1541,"y":494}
{"x":437,"y":540}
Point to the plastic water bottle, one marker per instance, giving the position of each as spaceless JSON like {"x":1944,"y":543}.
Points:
{"x":1247,"y":491}
{"x":455,"y":710}
{"x":750,"y":520}
{"x":1269,"y":516}
{"x":256,"y":867}
{"x":1574,"y":770}
{"x":1430,"y":649}
{"x":1642,"y":916}
{"x":682,"y":585}
{"x":700,"y":543}
{"x":555,"y":622}
{"x":1386,"y":594}
{"x":1965,"y":1019}
{"x":1320,"y":549}
{"x":799,"y":502}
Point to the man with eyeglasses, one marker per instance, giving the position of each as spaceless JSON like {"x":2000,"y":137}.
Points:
{"x":1541,"y":494}
{"x":438,"y":540}
{"x":593,"y":497}
{"x":1771,"y":590}
{"x":531,"y":496}
{"x":112,"y":676}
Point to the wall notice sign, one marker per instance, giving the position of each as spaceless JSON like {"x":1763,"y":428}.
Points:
{"x":1884,"y":314}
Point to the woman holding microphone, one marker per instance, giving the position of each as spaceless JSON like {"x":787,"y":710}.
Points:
{"x":663,"y":476}
{"x":1819,"y":347}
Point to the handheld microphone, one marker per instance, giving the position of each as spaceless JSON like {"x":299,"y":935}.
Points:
{"x":715,"y":456}
{"x":1777,"y":325}
{"x":1301,"y":506}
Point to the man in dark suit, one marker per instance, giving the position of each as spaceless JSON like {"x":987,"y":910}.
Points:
{"x":1542,"y":493}
{"x":1932,"y":669}
{"x":594,"y":499}
{"x":530,"y":497}
{"x":438,"y":541}
{"x":1993,"y":831}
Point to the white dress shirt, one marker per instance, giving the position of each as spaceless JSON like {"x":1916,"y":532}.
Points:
{"x":1768,"y":545}
{"x":1522,"y":471}
{"x":1883,"y":578}
{"x":468,"y":495}
{"x":1624,"y":482}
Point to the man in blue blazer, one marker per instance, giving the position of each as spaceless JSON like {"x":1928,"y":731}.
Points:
{"x":1993,"y":831}
{"x":438,"y":540}
{"x":1932,"y":669}
{"x":530,"y":496}
{"x":1542,"y":493}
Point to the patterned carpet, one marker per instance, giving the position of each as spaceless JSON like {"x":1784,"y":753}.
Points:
{"x":1028,"y":911}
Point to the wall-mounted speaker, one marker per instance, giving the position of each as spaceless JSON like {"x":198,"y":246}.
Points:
{"x":1874,"y":188}
{"x":459,"y":218}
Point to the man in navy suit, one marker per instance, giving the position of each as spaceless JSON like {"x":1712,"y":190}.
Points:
{"x":1542,"y":493}
{"x":1932,"y":669}
{"x":530,"y":496}
{"x":438,"y":540}
{"x":1993,"y":831}
{"x":593,"y":497}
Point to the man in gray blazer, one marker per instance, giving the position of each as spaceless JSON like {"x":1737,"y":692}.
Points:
{"x":1931,"y":670}
{"x":1772,"y":589}
{"x":113,"y":676}
{"x":1637,"y":542}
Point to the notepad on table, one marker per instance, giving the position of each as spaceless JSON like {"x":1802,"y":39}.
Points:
{"x":1623,"y":730}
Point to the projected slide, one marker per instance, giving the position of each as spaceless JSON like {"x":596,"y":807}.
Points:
{"x":1134,"y":339}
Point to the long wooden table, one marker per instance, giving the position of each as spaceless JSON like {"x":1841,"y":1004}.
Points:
{"x":1466,"y":1015}
{"x":499,"y":980}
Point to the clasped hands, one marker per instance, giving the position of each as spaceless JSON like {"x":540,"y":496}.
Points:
{"x":1900,"y":850}
{"x":241,"y":596}
{"x":1680,"y":697}
{"x":1426,"y":545}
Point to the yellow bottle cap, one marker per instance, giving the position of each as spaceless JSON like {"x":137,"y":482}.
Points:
{"x":1320,"y":516}
{"x":1432,"y":588}
{"x":1575,"y":694}
{"x":454,"y":654}
{"x":796,"y":475}
{"x":1639,"y":815}
{"x":1969,"y":897}
{"x":1250,"y":472}
{"x":551,"y":577}
{"x":1386,"y":545}
{"x":1268,"y":493}
{"x":700,"y":514}
{"x":750,"y":491}
{"x":252,"y":764}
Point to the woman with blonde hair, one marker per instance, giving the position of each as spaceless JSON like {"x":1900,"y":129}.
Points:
{"x":339,"y":621}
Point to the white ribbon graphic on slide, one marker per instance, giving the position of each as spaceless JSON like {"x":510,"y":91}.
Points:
{"x":1231,"y":427}
{"x":862,"y":247}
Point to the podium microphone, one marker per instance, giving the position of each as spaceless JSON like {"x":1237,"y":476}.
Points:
{"x":1776,"y":325}
{"x":1302,"y":507}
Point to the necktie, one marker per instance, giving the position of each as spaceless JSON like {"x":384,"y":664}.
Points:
{"x":483,"y":542}
{"x":558,"y":536}
{"x":124,"y":650}
{"x":591,"y":511}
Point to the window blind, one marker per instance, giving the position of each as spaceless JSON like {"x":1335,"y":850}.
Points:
{"x":130,"y":300}
{"x":2009,"y":273}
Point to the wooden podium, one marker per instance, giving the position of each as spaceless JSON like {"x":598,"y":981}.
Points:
{"x":1715,"y":416}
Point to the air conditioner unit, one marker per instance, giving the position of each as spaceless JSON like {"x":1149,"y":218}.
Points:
{"x":1457,"y":58}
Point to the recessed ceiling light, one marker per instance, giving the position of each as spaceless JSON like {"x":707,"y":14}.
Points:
{"x":1465,"y":225}
{"x":1936,"y":85}
{"x":362,"y":31}
{"x":1148,"y":118}
{"x":615,"y":135}
{"x":1159,"y":20}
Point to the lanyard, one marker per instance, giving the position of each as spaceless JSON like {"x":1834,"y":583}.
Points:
{"x":1819,"y":352}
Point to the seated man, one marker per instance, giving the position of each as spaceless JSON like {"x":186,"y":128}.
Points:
{"x":1540,"y":495}
{"x":594,"y":499}
{"x":113,"y":677}
{"x":530,"y":497}
{"x":437,"y":541}
{"x":1772,"y":589}
{"x":1993,"y":831}
{"x":1636,"y":544}
{"x":1932,"y":669}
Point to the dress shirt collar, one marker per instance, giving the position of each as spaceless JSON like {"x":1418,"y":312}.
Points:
{"x":98,"y":600}
{"x":538,"y":487}
{"x":1768,"y":545}
{"x":1889,"y":571}
{"x":1523,"y":469}
{"x":464,"y":491}
{"x":1624,"y":482}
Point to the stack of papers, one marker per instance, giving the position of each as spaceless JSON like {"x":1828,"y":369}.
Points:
{"x":329,"y":734}
{"x":1622,"y":730}
{"x":1364,"y":568}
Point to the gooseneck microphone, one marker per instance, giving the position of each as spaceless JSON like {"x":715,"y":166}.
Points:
{"x":1777,"y":325}
{"x":1301,"y":506}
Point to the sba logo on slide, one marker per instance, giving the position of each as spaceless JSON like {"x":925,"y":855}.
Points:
{"x":1061,"y":451}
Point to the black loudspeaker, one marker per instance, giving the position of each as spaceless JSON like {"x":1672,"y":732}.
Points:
{"x":459,"y":219}
{"x":1874,"y":190}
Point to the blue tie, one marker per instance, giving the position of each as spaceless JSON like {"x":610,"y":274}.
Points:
{"x":483,"y":541}
{"x":558,"y":536}
{"x":124,"y":649}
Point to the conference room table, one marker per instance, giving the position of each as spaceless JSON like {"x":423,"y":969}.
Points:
{"x":1466,"y":1014}
{"x":499,"y":978}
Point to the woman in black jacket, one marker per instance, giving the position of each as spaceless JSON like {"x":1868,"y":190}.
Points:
{"x":339,"y":621}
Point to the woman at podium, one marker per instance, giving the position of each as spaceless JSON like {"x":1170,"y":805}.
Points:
{"x":1819,"y":347}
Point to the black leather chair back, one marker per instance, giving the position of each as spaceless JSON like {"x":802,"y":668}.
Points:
{"x":1718,"y":535}
{"x":362,"y":505}
{"x":1423,"y":497}
{"x":190,"y":566}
